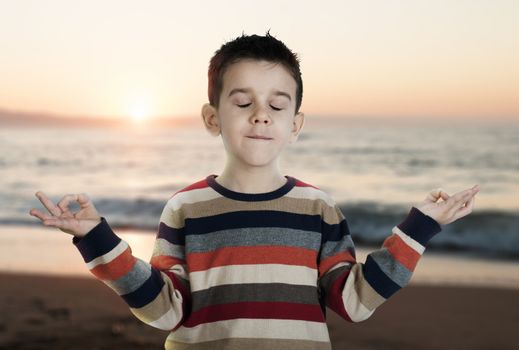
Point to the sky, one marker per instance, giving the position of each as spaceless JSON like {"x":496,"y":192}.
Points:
{"x":143,"y":59}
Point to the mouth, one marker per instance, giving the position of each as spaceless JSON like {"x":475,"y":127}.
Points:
{"x":258,"y":137}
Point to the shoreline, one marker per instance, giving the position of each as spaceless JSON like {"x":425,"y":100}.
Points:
{"x":42,"y":250}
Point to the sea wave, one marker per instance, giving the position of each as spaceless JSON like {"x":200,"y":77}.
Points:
{"x":486,"y":233}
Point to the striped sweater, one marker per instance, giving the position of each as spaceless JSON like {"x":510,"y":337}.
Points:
{"x":234,"y":270}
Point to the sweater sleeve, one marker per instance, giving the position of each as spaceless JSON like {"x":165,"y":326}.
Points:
{"x":157,"y":292}
{"x":353,"y":289}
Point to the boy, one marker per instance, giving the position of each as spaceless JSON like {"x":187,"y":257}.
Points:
{"x":250,"y":258}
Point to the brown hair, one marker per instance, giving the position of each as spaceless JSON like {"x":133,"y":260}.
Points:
{"x":256,"y":47}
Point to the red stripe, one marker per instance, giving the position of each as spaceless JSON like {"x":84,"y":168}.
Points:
{"x":334,"y":295}
{"x":242,"y":255}
{"x":300,"y":183}
{"x":331,"y":261}
{"x":116,"y":268}
{"x":164,"y":262}
{"x":257,"y":310}
{"x":197,"y":185}
{"x":186,"y":296}
{"x":404,"y":254}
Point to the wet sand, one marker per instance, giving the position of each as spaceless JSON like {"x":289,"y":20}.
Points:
{"x":61,"y":312}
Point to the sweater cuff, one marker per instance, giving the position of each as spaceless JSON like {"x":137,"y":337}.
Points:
{"x":419,"y":226}
{"x":97,"y":242}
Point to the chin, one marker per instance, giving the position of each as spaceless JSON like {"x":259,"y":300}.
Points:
{"x":260,"y":162}
{"x":258,"y":159}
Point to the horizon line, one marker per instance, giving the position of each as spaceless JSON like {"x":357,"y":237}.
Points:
{"x":46,"y":117}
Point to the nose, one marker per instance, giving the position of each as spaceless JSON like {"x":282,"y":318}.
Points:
{"x":260,"y":116}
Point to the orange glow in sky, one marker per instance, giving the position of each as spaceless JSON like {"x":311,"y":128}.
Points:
{"x":130,"y":59}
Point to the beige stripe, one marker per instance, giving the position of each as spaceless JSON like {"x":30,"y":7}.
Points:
{"x":331,"y":215}
{"x":250,"y":343}
{"x":160,"y":308}
{"x":253,"y":273}
{"x":192,"y":196}
{"x":366,"y":294}
{"x":171,"y":217}
{"x":163,"y":247}
{"x":409,"y":241}
{"x":330,"y":210}
{"x":354,"y":307}
{"x":224,"y":205}
{"x":252,"y":328}
{"x":111,"y":255}
{"x":310,"y":193}
{"x":170,"y":318}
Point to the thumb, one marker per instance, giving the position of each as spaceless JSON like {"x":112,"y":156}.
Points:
{"x":434,"y":195}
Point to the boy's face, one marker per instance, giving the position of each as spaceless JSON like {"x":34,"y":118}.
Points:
{"x":256,"y":112}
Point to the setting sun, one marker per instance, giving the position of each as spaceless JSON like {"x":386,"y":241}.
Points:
{"x":139,"y":110}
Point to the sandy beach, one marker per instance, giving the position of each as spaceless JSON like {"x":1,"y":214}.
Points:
{"x":48,"y":300}
{"x":58,"y":312}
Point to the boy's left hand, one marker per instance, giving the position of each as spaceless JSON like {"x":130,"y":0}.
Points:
{"x":451,"y":208}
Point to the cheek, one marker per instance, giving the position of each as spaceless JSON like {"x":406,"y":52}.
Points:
{"x":231,"y":129}
{"x":287,"y":129}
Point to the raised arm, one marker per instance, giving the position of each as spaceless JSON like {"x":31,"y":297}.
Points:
{"x":156,"y":292}
{"x":353,"y":289}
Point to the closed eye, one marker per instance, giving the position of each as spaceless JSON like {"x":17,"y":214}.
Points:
{"x":248,"y":104}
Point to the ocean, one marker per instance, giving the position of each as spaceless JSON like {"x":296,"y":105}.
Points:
{"x":375,"y":171}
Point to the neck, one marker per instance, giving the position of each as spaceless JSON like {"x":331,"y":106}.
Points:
{"x":251,"y":180}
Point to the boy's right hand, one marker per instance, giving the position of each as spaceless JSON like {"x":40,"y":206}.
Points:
{"x":75,"y":223}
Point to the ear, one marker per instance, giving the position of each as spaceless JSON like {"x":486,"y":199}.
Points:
{"x":297,"y":126}
{"x":210,"y":118}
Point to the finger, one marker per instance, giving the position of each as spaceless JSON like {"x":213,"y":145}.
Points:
{"x":39,"y":214}
{"x":465,"y":210}
{"x":434,"y":195}
{"x":86,"y":202}
{"x":463,"y":196}
{"x":457,"y":201}
{"x":65,"y":202}
{"x":47,"y":203}
{"x":83,"y":200}
{"x":470,"y":204}
{"x":64,"y":224}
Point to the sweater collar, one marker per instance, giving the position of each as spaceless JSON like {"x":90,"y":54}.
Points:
{"x":251,"y":197}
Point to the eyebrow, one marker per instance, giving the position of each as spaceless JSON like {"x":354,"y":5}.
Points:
{"x":247,"y":90}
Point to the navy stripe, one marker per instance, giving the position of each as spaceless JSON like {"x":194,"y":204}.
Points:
{"x":247,"y":219}
{"x":146,"y":293}
{"x":98,"y":241}
{"x":419,"y":226}
{"x":334,"y":232}
{"x":378,"y":280}
{"x":172,"y":235}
